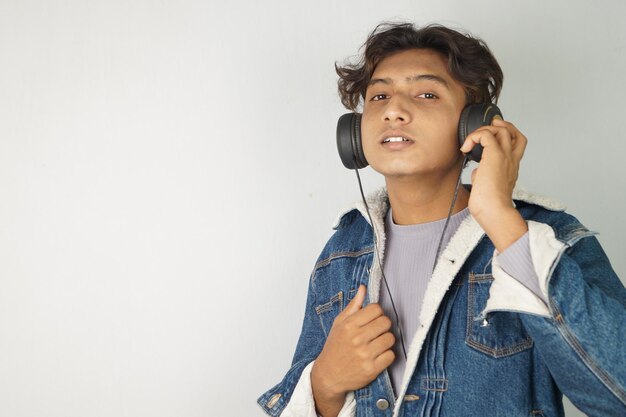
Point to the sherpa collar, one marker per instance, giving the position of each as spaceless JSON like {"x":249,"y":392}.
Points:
{"x":378,"y":203}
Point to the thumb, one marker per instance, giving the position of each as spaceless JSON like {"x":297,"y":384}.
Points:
{"x":357,"y":302}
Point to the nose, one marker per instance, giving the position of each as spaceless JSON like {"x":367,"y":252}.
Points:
{"x":397,"y":111}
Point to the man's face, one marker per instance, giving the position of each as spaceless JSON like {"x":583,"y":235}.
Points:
{"x":412,"y":96}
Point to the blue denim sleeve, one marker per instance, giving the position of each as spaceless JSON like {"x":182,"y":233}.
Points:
{"x":309,"y":346}
{"x":582,"y":342}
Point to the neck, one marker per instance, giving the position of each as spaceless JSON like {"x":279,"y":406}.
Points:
{"x":422,"y":200}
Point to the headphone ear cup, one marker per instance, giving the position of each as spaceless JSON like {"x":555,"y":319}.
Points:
{"x":463,"y":124}
{"x":472,"y":117}
{"x":349,"y":141}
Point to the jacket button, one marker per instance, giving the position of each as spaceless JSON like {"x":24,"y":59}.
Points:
{"x":382,"y":404}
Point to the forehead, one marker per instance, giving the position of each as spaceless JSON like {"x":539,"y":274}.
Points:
{"x":405,"y":65}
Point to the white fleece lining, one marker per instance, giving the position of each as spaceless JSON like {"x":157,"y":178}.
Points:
{"x":302,"y":403}
{"x":378,"y":205}
{"x":540,"y":200}
{"x":508,"y":294}
{"x":379,"y":199}
{"x":545,"y":249}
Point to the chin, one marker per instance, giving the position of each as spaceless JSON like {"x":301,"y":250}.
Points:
{"x":398,"y":170}
{"x":404,"y":169}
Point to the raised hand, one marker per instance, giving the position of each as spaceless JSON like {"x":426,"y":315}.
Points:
{"x":494,"y":180}
{"x":357,"y":350}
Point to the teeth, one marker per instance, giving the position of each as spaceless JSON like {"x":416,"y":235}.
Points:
{"x":395,"y":139}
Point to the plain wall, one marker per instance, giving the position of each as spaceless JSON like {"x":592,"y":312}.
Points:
{"x":168,"y":176}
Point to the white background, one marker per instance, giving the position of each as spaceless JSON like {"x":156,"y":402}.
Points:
{"x":168,"y":175}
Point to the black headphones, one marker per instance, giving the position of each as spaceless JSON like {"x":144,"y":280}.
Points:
{"x":350,"y":148}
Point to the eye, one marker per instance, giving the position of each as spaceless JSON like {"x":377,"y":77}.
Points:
{"x":377,"y":97}
{"x":428,"y":96}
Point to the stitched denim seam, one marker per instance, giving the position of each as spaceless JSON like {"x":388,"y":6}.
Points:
{"x":600,"y":373}
{"x":579,"y":236}
{"x":480,"y":277}
{"x":502,"y":352}
{"x":338,"y":255}
{"x":425,"y":386}
{"x":556,"y":261}
{"x":329,"y":305}
{"x":575,"y":235}
{"x":470,"y":310}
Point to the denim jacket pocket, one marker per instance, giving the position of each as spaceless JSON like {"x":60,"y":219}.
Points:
{"x":500,"y":333}
{"x":328,"y":311}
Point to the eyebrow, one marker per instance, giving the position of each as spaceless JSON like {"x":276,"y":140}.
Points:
{"x":415,"y":78}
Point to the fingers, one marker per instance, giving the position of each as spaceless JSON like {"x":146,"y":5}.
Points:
{"x":517,"y":139}
{"x":367,"y":314}
{"x":368,"y":322}
{"x":377,"y":327}
{"x":381,"y":346}
{"x":382,"y":343}
{"x":357,"y":302}
{"x":385,"y":359}
{"x":358,"y":315}
{"x":500,"y":137}
{"x":493,"y":138}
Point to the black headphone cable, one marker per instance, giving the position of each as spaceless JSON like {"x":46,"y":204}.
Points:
{"x":380,"y":265}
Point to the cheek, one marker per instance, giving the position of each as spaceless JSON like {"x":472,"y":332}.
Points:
{"x":368,"y":137}
{"x":448,"y":129}
{"x":452,"y":135}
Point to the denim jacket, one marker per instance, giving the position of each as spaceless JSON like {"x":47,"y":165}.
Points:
{"x":486,"y":345}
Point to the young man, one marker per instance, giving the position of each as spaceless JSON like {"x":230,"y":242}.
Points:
{"x":522,"y":305}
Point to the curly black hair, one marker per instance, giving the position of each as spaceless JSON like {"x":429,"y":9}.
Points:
{"x":470,"y":61}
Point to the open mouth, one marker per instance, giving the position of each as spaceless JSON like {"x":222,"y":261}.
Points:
{"x":395,"y":139}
